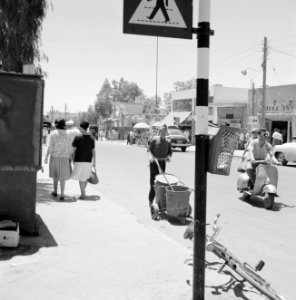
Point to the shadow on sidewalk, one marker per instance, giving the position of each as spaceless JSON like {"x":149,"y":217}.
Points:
{"x":29,"y":245}
{"x":228,"y":282}
{"x":43,"y":194}
{"x":90,"y":198}
{"x":277,"y":206}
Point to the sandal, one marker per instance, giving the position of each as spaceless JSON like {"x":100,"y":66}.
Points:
{"x":62,"y":198}
{"x":54,"y":194}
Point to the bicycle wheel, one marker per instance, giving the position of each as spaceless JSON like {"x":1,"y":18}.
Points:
{"x":255,"y":280}
{"x":242,"y":270}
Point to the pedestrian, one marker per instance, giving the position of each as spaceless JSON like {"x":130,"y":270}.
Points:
{"x":72,"y":130}
{"x":84,"y":157}
{"x":59,"y":151}
{"x":252,"y":136}
{"x":186,"y":133}
{"x":162,"y":152}
{"x":277,"y":137}
{"x":128,"y":138}
{"x":44,"y":135}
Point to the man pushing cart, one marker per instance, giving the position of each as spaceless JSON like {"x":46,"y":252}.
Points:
{"x":161,"y":152}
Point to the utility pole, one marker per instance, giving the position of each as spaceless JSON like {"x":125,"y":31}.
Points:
{"x":51,"y":114}
{"x":156,"y":72}
{"x":253,"y":99}
{"x":264,"y":82}
{"x":66,"y":112}
{"x":202,"y":147}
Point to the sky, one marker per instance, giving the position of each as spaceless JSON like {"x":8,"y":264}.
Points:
{"x":85,"y":44}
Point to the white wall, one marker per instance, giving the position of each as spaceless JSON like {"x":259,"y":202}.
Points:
{"x":229,"y":95}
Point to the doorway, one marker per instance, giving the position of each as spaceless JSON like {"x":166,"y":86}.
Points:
{"x":283,"y":128}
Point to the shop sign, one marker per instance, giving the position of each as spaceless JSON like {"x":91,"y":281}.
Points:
{"x":253,"y":121}
{"x":280,"y":108}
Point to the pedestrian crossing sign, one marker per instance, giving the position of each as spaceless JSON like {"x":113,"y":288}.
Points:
{"x":168,"y":18}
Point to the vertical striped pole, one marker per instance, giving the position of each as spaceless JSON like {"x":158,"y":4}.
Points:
{"x":201,"y":145}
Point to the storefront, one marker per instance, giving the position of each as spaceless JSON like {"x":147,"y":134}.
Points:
{"x":280,"y":109}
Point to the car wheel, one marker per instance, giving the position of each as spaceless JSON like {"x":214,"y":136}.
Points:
{"x":284,"y":162}
{"x":280,"y":156}
{"x":183,"y":149}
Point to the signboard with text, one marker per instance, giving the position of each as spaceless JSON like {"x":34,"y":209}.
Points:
{"x":166,"y":18}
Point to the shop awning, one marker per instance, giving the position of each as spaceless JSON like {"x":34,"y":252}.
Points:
{"x":174,"y":118}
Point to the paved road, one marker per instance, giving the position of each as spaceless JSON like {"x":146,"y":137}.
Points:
{"x":251,"y":232}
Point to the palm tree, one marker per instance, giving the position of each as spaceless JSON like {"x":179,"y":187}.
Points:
{"x":20,"y":30}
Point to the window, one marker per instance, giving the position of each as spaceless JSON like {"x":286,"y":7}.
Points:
{"x":229,"y":116}
{"x":182,"y":105}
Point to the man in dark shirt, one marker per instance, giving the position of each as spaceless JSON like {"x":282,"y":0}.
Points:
{"x":162,"y":151}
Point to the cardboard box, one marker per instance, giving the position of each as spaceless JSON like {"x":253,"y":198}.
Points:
{"x":9,"y":237}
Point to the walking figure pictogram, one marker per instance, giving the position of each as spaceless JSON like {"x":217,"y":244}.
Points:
{"x":160,"y":5}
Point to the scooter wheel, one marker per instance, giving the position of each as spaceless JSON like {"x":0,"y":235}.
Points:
{"x":154,"y":210}
{"x":268,"y":201}
{"x":188,"y":211}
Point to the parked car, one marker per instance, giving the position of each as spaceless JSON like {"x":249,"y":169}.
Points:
{"x":285,"y":153}
{"x":177,"y":138}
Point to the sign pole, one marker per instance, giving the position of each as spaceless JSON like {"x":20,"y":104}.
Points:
{"x":201,"y":145}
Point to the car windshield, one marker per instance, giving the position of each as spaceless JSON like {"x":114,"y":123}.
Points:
{"x":175,"y":132}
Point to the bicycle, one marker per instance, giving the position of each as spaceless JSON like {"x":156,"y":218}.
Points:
{"x":244,"y":270}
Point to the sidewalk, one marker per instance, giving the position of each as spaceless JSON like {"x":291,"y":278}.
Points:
{"x":95,"y":249}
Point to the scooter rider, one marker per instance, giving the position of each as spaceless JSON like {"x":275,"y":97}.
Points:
{"x":260,"y":153}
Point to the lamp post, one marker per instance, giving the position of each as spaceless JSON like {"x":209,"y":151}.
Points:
{"x":264,"y":82}
{"x":156,"y":72}
{"x":252,"y":111}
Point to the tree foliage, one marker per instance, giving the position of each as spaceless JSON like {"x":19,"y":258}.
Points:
{"x":90,"y":116}
{"x":124,"y":91}
{"x":103,"y":104}
{"x":20,"y":31}
{"x":120,"y":91}
{"x":150,"y":105}
{"x":185,"y":85}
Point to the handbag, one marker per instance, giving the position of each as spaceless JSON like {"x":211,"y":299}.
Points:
{"x":93,"y":179}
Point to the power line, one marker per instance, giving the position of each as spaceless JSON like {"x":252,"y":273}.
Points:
{"x":283,"y":52}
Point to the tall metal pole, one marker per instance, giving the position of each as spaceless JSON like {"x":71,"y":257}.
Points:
{"x":253,"y":99}
{"x":156,"y":77}
{"x":65,"y":111}
{"x":51,"y":114}
{"x":201,"y":146}
{"x":264,"y":82}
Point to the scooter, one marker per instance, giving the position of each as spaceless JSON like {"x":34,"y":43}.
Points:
{"x":265,"y":187}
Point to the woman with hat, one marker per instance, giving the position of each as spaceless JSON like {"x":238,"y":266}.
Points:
{"x":59,"y":151}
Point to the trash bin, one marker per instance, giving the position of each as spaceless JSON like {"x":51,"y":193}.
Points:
{"x":177,"y":201}
{"x":161,"y":182}
{"x":21,"y":105}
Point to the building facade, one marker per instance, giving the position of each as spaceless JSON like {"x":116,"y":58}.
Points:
{"x":280,"y":109}
{"x":227,"y":105}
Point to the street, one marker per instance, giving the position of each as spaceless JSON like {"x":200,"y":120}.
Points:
{"x":250,"y":231}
